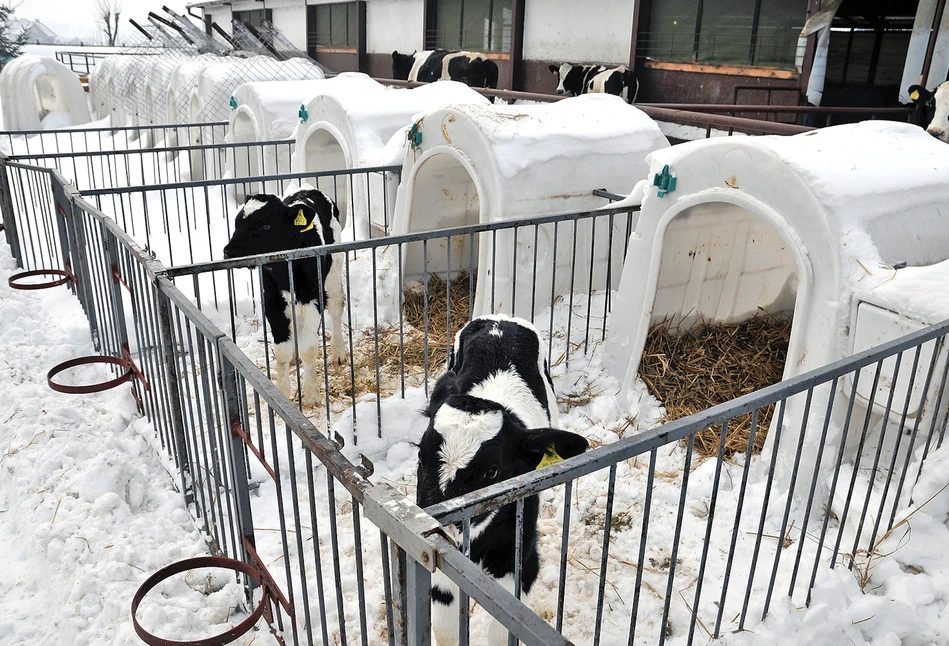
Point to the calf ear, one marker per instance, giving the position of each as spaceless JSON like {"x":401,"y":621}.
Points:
{"x":554,"y":70}
{"x":445,"y":387}
{"x":919,"y":94}
{"x":540,"y":447}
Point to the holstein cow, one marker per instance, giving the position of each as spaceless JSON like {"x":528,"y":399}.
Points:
{"x":582,"y":79}
{"x":489,"y":417}
{"x":471,"y":68}
{"x":307,"y":218}
{"x":936,"y":104}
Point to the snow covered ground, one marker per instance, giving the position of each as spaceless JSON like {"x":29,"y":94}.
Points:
{"x":90,"y":509}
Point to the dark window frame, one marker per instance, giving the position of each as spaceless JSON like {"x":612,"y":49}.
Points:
{"x":750,"y":63}
{"x":243,"y":16}
{"x":432,"y":40}
{"x":352,"y":37}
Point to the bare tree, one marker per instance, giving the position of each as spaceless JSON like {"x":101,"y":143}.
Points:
{"x":107,"y":18}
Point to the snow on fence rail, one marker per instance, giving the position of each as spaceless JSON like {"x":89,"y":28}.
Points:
{"x":268,"y":487}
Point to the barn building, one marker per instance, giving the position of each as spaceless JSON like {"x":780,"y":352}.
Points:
{"x":684,"y":51}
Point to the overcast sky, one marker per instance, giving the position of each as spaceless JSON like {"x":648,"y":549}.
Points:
{"x":70,"y":18}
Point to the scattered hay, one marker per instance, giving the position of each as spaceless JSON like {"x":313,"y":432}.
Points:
{"x":444,"y":299}
{"x":711,"y":364}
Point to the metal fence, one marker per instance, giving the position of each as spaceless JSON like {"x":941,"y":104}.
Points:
{"x":639,"y":537}
{"x":107,"y":138}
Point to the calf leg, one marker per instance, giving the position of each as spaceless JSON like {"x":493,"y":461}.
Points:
{"x":444,"y":610}
{"x":283,"y":355}
{"x":497,"y":633}
{"x":335,"y":301}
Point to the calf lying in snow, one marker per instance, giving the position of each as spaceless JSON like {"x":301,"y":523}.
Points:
{"x":489,"y":418}
{"x":307,"y":218}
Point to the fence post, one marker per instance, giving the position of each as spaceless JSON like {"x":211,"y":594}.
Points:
{"x":60,"y":204}
{"x":64,"y":200}
{"x":9,"y":219}
{"x":174,"y":395}
{"x":113,"y":258}
{"x":232,"y":404}
{"x":418,"y":604}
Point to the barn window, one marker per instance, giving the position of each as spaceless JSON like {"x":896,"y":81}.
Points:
{"x":331,"y":26}
{"x":254,"y":18}
{"x":475,"y":25}
{"x":725,"y":32}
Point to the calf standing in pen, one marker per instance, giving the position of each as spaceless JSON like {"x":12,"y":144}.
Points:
{"x":307,"y":218}
{"x":575,"y":80}
{"x":489,"y":416}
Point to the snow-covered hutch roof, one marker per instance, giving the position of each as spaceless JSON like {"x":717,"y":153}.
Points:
{"x":846,"y":229}
{"x":41,"y":92}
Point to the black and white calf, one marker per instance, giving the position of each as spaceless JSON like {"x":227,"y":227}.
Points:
{"x":936,"y":105}
{"x":489,"y":416}
{"x":471,"y":68}
{"x":307,"y":218}
{"x":582,"y":79}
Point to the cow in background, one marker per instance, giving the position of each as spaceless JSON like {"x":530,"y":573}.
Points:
{"x":267,"y":224}
{"x":489,"y":417}
{"x":471,"y":68}
{"x":575,"y":80}
{"x":935,"y":109}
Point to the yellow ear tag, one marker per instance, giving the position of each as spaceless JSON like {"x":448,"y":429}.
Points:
{"x":550,"y":457}
{"x":300,"y":220}
{"x":914,"y":95}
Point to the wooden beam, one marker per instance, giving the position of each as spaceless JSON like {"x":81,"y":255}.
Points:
{"x":733,"y":70}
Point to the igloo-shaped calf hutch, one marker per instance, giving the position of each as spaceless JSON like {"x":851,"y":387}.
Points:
{"x":41,"y":93}
{"x":483,"y":163}
{"x":810,"y":226}
{"x":349,"y":124}
{"x":271,"y":111}
{"x":214,"y":87}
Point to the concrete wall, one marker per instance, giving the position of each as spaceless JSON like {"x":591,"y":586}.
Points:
{"x":394,"y":25}
{"x":579,"y":32}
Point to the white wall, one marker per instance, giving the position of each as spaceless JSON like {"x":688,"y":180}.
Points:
{"x":579,"y":32}
{"x":289,"y":16}
{"x":394,"y":25}
{"x":220,"y":15}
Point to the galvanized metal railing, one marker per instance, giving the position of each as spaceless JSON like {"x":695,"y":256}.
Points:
{"x":44,"y":142}
{"x":808,"y":516}
{"x":229,"y":431}
{"x":269,"y":488}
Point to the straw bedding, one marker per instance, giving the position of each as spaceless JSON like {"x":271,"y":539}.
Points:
{"x":711,"y":364}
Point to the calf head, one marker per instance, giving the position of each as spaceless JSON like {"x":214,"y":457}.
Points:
{"x":258,"y":227}
{"x":472,"y":442}
{"x":936,"y":108}
{"x":561,"y":73}
{"x":265,"y":224}
{"x":402,"y":65}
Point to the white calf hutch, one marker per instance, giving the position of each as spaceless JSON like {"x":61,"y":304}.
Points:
{"x":349,"y":124}
{"x":41,"y":93}
{"x":210,"y":97}
{"x":272,"y":110}
{"x":267,"y":111}
{"x":846,"y":229}
{"x":482,"y":163}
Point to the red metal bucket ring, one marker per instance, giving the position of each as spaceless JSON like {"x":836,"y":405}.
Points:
{"x":191,"y":564}
{"x":65,"y":278}
{"x":89,"y":388}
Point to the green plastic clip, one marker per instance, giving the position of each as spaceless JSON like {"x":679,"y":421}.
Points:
{"x":665,"y":180}
{"x":233,"y":103}
{"x":415,"y":136}
{"x":302,"y":113}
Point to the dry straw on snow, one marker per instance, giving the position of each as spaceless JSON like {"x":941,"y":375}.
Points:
{"x":710,"y":364}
